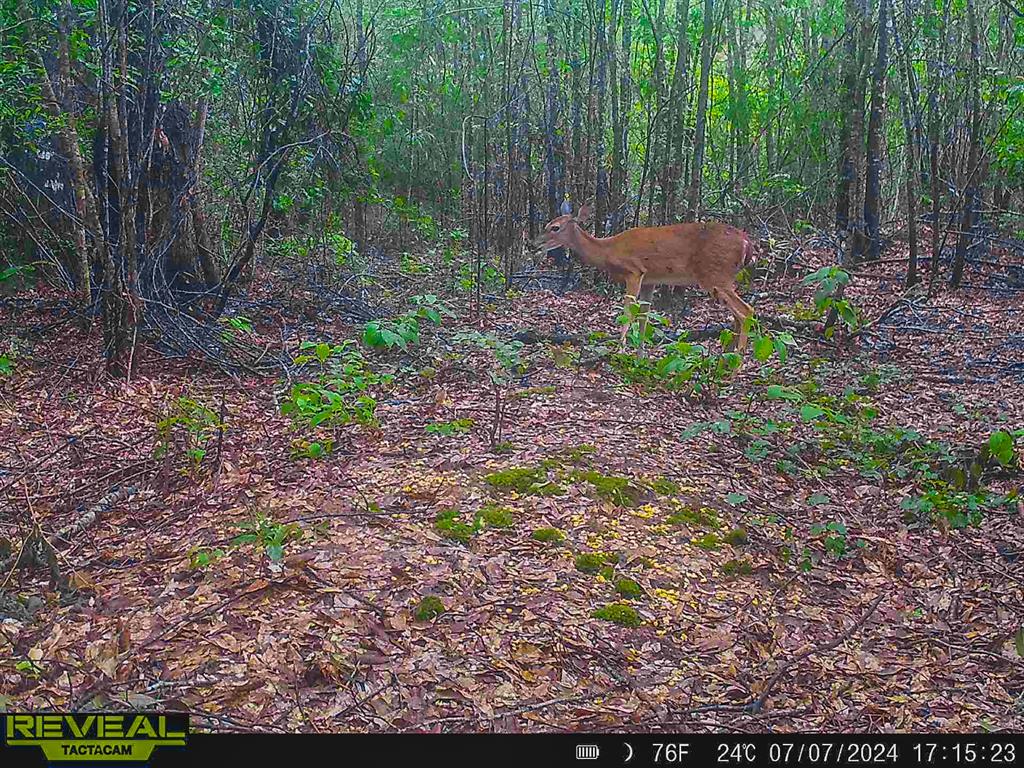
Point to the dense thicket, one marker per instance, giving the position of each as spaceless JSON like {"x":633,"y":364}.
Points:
{"x":150,"y":151}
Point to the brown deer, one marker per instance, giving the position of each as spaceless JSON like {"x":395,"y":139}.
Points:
{"x":705,"y":254}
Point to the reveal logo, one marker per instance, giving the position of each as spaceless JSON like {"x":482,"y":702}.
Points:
{"x":125,"y":738}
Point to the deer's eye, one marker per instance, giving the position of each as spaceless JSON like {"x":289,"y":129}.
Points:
{"x":555,"y":229}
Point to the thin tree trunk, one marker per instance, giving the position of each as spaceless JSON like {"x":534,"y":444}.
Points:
{"x":909,"y":109}
{"x":873,"y":187}
{"x":973,"y":171}
{"x":693,"y":211}
{"x":675,"y":128}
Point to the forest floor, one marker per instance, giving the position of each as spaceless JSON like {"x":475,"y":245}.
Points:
{"x":801,"y":549}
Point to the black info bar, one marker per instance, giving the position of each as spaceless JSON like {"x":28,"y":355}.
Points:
{"x":165,"y":739}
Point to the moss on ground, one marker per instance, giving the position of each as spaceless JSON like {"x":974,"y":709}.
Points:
{"x":628,"y":588}
{"x":430,"y":607}
{"x":693,"y":517}
{"x":524,"y":480}
{"x":709,"y":541}
{"x":614,"y":488}
{"x":496,"y":516}
{"x":618,"y":613}
{"x":450,"y":526}
{"x":548,"y":535}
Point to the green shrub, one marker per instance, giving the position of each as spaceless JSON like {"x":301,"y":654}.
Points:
{"x":341,"y":394}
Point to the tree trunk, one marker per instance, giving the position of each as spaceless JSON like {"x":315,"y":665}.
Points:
{"x":909,"y":110}
{"x":968,"y":219}
{"x":601,"y":182}
{"x":873,"y":187}
{"x":675,"y":127}
{"x":693,"y":211}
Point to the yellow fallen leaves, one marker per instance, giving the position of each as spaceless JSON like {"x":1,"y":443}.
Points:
{"x":645,"y":512}
{"x":669,"y":595}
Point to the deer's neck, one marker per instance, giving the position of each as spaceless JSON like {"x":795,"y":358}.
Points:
{"x":591,"y":249}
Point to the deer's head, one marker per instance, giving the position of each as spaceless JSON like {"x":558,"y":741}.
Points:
{"x":558,"y":233}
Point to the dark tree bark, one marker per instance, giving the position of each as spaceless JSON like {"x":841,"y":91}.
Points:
{"x":601,"y":52}
{"x":972,"y":173}
{"x":552,"y":109}
{"x":675,"y":125}
{"x":696,"y":175}
{"x":873,"y":187}
{"x":621,"y":137}
{"x":908,"y":104}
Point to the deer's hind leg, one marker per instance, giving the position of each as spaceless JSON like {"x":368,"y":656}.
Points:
{"x":634,"y":285}
{"x":645,"y":305}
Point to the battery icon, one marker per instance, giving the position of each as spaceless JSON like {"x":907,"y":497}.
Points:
{"x":587,"y":752}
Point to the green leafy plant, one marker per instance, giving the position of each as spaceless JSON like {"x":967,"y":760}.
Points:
{"x":343,"y":391}
{"x":191,"y":425}
{"x":829,"y":283}
{"x":202,"y":558}
{"x":1000,"y":447}
{"x":237,"y":325}
{"x":680,"y":365}
{"x":268,"y":535}
{"x":449,"y":428}
{"x":404,"y":331}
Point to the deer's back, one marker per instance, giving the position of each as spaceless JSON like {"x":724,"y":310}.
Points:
{"x":695,"y":253}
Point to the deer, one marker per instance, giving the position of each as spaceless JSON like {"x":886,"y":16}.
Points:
{"x":705,"y":254}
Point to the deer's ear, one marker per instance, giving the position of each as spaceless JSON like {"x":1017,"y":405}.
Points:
{"x":584,"y":213}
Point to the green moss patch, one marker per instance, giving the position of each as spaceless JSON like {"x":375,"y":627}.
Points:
{"x":709,"y":541}
{"x":524,"y":480}
{"x":597,"y":562}
{"x":449,"y":525}
{"x":664,"y":487}
{"x":618,"y":613}
{"x":548,"y":535}
{"x":497,"y":517}
{"x":589,"y":562}
{"x":430,"y":607}
{"x":695,"y":518}
{"x":737,"y":537}
{"x":628,"y":588}
{"x":618,"y":490}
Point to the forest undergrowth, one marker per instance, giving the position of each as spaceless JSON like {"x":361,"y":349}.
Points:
{"x":437,"y":521}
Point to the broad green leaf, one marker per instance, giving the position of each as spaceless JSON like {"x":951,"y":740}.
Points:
{"x":1000,"y":445}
